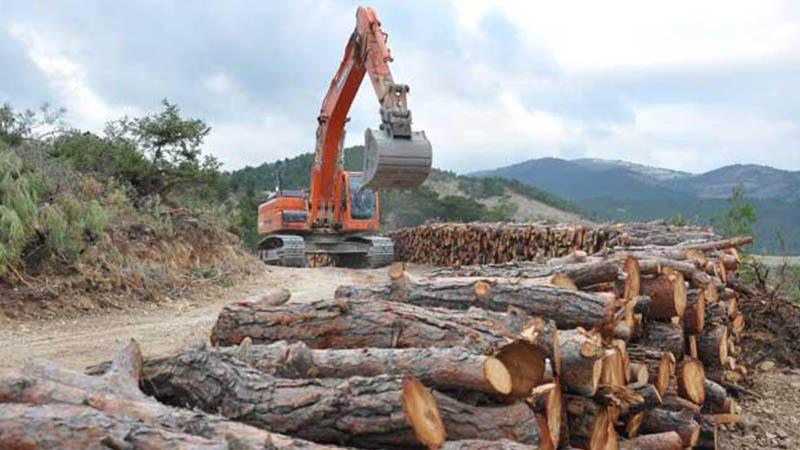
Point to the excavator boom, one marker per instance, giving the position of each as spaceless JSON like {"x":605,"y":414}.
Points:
{"x":341,"y":213}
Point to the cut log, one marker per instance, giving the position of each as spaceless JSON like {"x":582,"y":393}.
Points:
{"x":667,"y":292}
{"x":73,"y":427}
{"x":568,"y":308}
{"x":615,"y":370}
{"x":650,"y":399}
{"x":422,"y":413}
{"x":582,"y":274}
{"x":441,"y":368}
{"x":590,"y":424}
{"x":712,"y":346}
{"x":691,"y":346}
{"x":661,"y":364}
{"x":116,"y":395}
{"x":477,"y":444}
{"x":579,"y":362}
{"x":658,"y":420}
{"x":358,"y":411}
{"x":638,"y":375}
{"x":717,"y":400}
{"x":735,"y":242}
{"x":667,"y":336}
{"x":365,"y":323}
{"x":546,"y":403}
{"x":694,"y":318}
{"x":633,"y":277}
{"x":669,"y":440}
{"x":691,"y":380}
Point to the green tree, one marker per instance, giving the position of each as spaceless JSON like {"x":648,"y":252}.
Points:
{"x":173,"y":145}
{"x":739,"y":218}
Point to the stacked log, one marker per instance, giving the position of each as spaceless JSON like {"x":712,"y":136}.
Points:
{"x":631,"y":347}
{"x":453,"y":244}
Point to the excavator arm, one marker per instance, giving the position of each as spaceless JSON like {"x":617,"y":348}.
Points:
{"x":395,"y":156}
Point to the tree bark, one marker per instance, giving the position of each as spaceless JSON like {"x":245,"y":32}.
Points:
{"x":666,"y":336}
{"x":694,"y":318}
{"x":590,"y":425}
{"x":661,"y":364}
{"x":669,"y":440}
{"x":660,"y":420}
{"x":365,"y":323}
{"x":356,"y":411}
{"x":116,"y":394}
{"x":440,"y":368}
{"x":712,"y":347}
{"x":478,"y":444}
{"x":68,"y":427}
{"x":582,"y":274}
{"x":568,"y":308}
{"x":579,"y":361}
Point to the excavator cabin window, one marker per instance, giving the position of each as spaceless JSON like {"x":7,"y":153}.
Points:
{"x":362,"y":203}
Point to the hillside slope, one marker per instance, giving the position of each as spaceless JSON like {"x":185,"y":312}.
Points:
{"x":619,"y":190}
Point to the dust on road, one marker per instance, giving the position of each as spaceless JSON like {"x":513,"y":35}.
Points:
{"x":160,"y":329}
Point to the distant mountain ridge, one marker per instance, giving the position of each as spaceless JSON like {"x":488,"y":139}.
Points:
{"x":621,"y":190}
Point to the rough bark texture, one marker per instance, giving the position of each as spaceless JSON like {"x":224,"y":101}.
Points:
{"x":582,"y":274}
{"x":116,"y":395}
{"x":659,"y":420}
{"x":364,"y":323}
{"x":73,"y":427}
{"x":579,"y":362}
{"x":669,"y":440}
{"x":568,"y":308}
{"x":661,"y":364}
{"x":712,"y":346}
{"x":441,"y":368}
{"x":358,"y":411}
{"x":666,"y":336}
{"x":590,"y":426}
{"x":477,"y":444}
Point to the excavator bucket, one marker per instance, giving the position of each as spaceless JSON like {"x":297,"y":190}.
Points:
{"x":395,"y":163}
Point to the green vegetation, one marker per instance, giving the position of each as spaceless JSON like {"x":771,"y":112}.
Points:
{"x":65,"y":193}
{"x":739,"y":218}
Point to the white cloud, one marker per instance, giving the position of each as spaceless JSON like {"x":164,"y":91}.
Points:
{"x":54,"y":56}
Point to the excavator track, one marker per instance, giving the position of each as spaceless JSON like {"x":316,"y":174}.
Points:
{"x":379,"y":253}
{"x":283,"y":250}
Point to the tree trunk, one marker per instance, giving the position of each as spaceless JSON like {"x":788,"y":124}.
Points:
{"x":364,"y":323}
{"x":661,"y":364}
{"x":359,"y":411}
{"x":666,"y":336}
{"x":440,"y":368}
{"x":116,"y":394}
{"x":568,"y":308}
{"x":660,"y":420}
{"x":694,"y":318}
{"x":590,"y":425}
{"x":478,"y":444}
{"x":579,"y":361}
{"x":669,"y":440}
{"x":712,"y":347}
{"x":582,"y":274}
{"x":73,"y":427}
{"x":668,"y":294}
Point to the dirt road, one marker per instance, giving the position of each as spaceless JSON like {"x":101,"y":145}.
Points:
{"x":160,"y":329}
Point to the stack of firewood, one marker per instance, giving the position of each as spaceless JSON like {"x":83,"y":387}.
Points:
{"x":448,"y":244}
{"x":632,"y":347}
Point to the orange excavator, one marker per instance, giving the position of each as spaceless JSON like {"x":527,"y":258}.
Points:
{"x":341,"y":214}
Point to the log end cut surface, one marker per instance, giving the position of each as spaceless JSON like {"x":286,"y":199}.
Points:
{"x":422,"y":413}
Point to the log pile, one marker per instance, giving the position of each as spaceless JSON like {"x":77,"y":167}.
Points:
{"x":631,"y":347}
{"x":451,"y":244}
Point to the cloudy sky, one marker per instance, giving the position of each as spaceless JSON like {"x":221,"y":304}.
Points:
{"x":688,"y":85}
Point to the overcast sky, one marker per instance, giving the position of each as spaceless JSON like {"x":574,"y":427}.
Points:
{"x":688,"y":85}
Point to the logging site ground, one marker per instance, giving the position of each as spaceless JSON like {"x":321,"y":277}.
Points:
{"x":76,"y":341}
